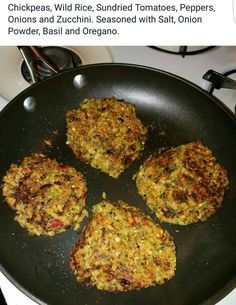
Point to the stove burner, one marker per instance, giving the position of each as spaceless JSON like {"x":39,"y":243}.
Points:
{"x":61,"y":58}
{"x":183,"y":50}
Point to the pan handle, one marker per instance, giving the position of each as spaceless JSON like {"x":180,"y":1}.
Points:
{"x":219,"y":80}
{"x":32,"y":57}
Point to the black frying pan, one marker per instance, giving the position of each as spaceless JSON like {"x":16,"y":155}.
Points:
{"x":175,"y":112}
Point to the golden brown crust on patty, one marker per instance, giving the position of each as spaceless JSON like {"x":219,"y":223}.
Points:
{"x":183,"y":185}
{"x":122,"y":249}
{"x":48,"y":196}
{"x":106,"y":134}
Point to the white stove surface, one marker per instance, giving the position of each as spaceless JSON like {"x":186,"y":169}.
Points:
{"x":191,"y":68}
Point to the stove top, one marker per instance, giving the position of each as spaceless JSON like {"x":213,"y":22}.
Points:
{"x":191,"y":67}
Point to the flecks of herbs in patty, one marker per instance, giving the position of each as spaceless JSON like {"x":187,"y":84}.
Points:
{"x":48,"y":196}
{"x":122,"y":249}
{"x":106,"y":133}
{"x":183,"y":185}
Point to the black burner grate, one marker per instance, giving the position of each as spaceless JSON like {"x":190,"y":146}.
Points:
{"x":183,"y":50}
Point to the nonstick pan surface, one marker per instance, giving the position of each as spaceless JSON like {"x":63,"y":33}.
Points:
{"x":175,"y":112}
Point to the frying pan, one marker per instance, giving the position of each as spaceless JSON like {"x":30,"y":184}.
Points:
{"x":175,"y":112}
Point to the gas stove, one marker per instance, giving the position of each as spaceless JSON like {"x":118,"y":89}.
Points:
{"x":190,"y":63}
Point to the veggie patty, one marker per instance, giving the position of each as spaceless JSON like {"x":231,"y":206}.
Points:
{"x":122,"y":249}
{"x":183,"y":185}
{"x":48,"y":196}
{"x":106,"y":133}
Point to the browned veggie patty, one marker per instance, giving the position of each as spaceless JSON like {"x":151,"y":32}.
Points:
{"x":183,"y":185}
{"x":106,"y":134}
{"x":47,"y":196}
{"x":122,"y":249}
